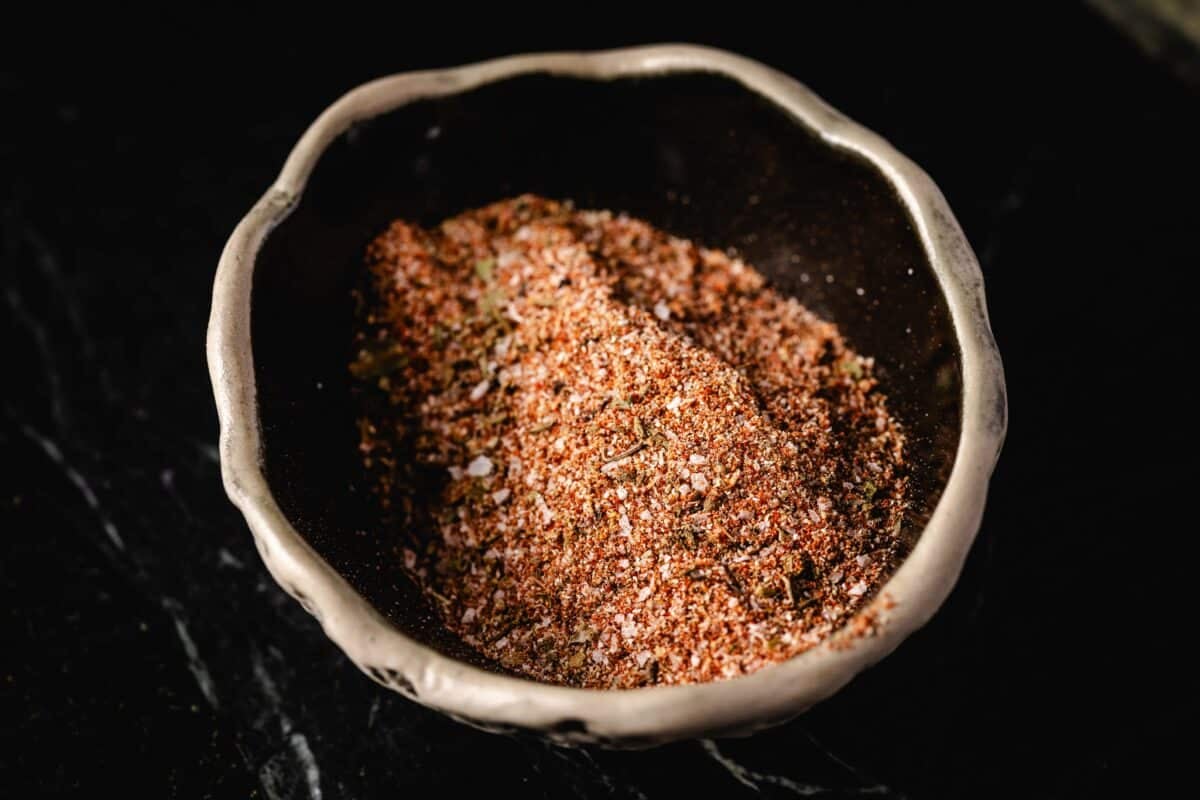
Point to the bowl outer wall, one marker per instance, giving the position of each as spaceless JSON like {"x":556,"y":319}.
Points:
{"x":626,"y":717}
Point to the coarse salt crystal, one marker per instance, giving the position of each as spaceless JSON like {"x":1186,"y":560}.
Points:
{"x":643,"y":657}
{"x":468,"y":615}
{"x":661,"y":311}
{"x":480,"y":467}
{"x":456,"y":473}
{"x":410,"y":558}
{"x":622,"y":492}
{"x":500,"y":495}
{"x":835,"y":577}
{"x":547,"y":514}
{"x":675,"y":403}
{"x":863,"y":560}
{"x":481,"y":389}
{"x":699,"y":481}
{"x":696,"y":458}
{"x":623,"y":524}
{"x":858,"y":589}
{"x":599,"y":657}
{"x":643,"y":594}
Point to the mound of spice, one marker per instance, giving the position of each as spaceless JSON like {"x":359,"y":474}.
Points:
{"x":615,"y":458}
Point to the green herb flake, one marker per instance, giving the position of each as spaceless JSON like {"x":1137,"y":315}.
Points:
{"x":485,"y":269}
{"x":492,"y":301}
{"x":379,"y":361}
{"x":852,"y":368}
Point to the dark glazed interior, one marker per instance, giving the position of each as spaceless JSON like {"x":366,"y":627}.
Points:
{"x":695,"y":154}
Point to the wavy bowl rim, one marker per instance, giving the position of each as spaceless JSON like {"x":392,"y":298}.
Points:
{"x":647,"y":715}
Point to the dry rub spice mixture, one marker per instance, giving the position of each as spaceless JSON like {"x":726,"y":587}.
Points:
{"x":650,"y":467}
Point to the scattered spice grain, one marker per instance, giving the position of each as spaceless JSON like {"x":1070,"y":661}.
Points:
{"x":650,"y":467}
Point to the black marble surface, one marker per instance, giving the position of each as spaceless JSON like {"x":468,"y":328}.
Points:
{"x":146,"y":650}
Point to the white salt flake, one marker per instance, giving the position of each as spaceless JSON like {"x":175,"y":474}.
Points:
{"x":501,"y":495}
{"x":699,"y":481}
{"x":480,"y":467}
{"x":863,"y":560}
{"x":456,"y":473}
{"x":624,"y":525}
{"x":622,"y":492}
{"x":835,"y":577}
{"x":547,"y":514}
{"x":661,"y":311}
{"x":696,"y":458}
{"x":858,"y":589}
{"x":675,"y":403}
{"x":481,"y":389}
{"x":643,"y":657}
{"x":643,"y":594}
{"x":468,"y":615}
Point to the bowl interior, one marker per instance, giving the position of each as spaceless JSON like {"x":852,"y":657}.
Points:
{"x":696,"y":154}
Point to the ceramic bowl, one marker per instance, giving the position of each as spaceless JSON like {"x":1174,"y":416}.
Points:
{"x":702,"y":143}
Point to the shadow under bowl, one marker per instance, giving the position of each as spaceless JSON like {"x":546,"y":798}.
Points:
{"x":700,"y":143}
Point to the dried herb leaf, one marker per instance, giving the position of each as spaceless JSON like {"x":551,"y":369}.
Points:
{"x":485,"y":269}
{"x":852,"y":368}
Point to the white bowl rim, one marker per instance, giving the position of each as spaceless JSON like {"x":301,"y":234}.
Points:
{"x":647,"y":715}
